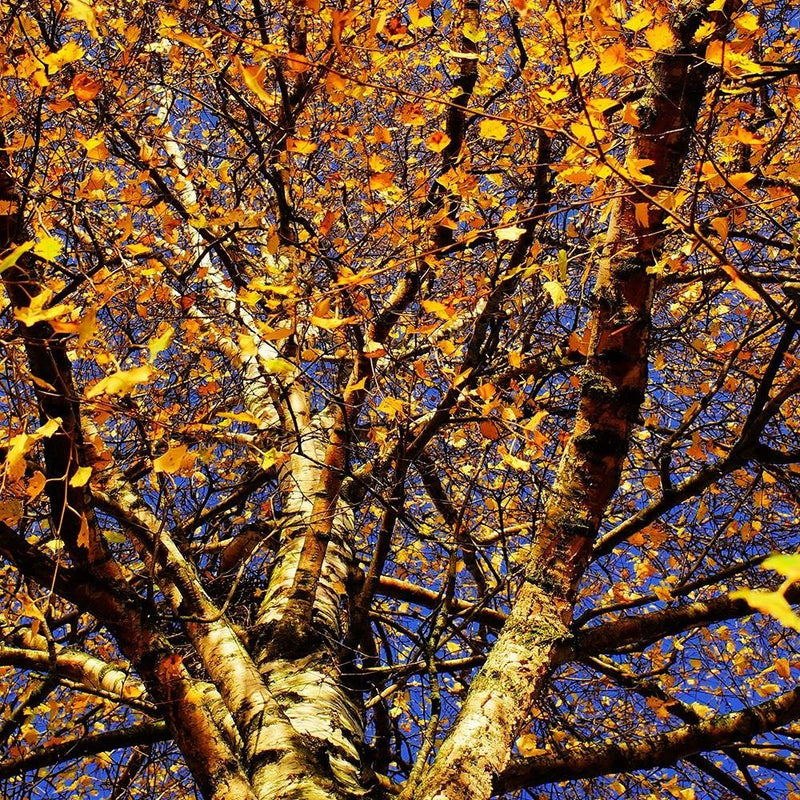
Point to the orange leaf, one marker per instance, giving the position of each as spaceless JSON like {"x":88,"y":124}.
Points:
{"x":739,"y":283}
{"x":85,"y":87}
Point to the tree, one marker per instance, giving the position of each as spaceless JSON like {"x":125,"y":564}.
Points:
{"x":396,"y":397}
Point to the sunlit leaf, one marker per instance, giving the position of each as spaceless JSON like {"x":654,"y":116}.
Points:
{"x":121,"y":382}
{"x":493,"y":129}
{"x":80,"y":477}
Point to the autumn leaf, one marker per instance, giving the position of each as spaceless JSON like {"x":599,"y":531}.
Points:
{"x":80,"y":477}
{"x":253,"y":77}
{"x":279,"y":366}
{"x":14,"y":256}
{"x":85,"y":87}
{"x":556,"y":292}
{"x":121,"y":382}
{"x":493,"y":129}
{"x":437,"y":141}
{"x":48,"y":248}
{"x":661,"y":37}
{"x":161,"y":342}
{"x":70,"y":52}
{"x":738,"y":282}
{"x":38,"y":311}
{"x":510,"y":233}
{"x":773,"y":604}
{"x":83,"y":12}
{"x":171,"y":461}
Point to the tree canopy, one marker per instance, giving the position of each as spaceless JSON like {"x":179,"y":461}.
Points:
{"x":400,"y":399}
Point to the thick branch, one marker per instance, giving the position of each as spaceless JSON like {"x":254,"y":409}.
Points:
{"x":658,"y":750}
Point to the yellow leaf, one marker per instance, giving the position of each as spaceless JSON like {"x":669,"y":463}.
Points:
{"x":740,"y":179}
{"x":241,"y":416}
{"x":247,"y":345}
{"x":439,"y":309}
{"x":634,"y":166}
{"x":772,"y":603}
{"x":349,"y":278}
{"x":661,"y":37}
{"x":36,"y":311}
{"x":11,"y":259}
{"x":583,"y":66}
{"x":513,"y":461}
{"x":639,"y":21}
{"x":662,"y":592}
{"x":83,"y":12}
{"x":273,"y":457}
{"x":786,"y":565}
{"x":161,"y":342}
{"x":81,"y":477}
{"x":48,"y":248}
{"x":96,"y":148}
{"x":15,"y":457}
{"x":35,"y":485}
{"x":70,"y":52}
{"x":279,"y":366}
{"x":198,"y":44}
{"x":331,"y":323}
{"x":48,"y":429}
{"x":473,"y":33}
{"x":121,"y":382}
{"x":739,"y":283}
{"x":556,"y":292}
{"x":528,"y":745}
{"x":10,"y":511}
{"x":437,"y":141}
{"x":720,"y":225}
{"x":253,"y":78}
{"x":172,"y":460}
{"x":493,"y":129}
{"x":302,"y":146}
{"x":87,"y":326}
{"x":380,"y":180}
{"x":613,"y":58}
{"x":510,"y":234}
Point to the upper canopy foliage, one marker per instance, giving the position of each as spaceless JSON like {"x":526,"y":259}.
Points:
{"x":299,"y":275}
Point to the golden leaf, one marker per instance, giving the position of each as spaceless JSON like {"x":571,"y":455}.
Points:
{"x":661,"y":37}
{"x":172,"y":460}
{"x":122,"y":381}
{"x":81,"y":477}
{"x":738,"y":282}
{"x":48,"y":248}
{"x":85,"y":87}
{"x":556,"y":292}
{"x":437,"y":141}
{"x":253,"y":77}
{"x":162,"y":341}
{"x":11,"y":259}
{"x":82,"y":11}
{"x":493,"y":129}
{"x":510,"y":233}
{"x":36,"y":311}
